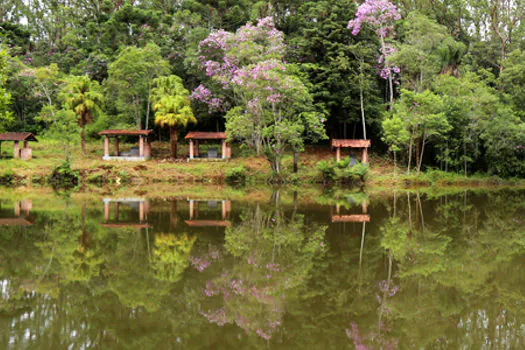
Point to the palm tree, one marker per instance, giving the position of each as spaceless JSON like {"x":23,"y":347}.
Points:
{"x":84,"y":97}
{"x":171,"y":102}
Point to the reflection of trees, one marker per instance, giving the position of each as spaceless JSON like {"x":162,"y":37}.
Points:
{"x":171,"y":256}
{"x":274,"y":253}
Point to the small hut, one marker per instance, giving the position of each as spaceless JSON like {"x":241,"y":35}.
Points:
{"x":142,"y":152}
{"x":24,"y":153}
{"x":196,"y":137}
{"x":361,"y":145}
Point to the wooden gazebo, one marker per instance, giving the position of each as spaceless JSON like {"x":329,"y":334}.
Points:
{"x":142,"y":152}
{"x":195,"y":136}
{"x":24,"y":153}
{"x":363,"y":145}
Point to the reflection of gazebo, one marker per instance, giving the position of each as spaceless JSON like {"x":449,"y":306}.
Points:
{"x":21,"y":214}
{"x":142,"y":152}
{"x":195,"y":137}
{"x":24,"y":153}
{"x":194,"y":213}
{"x":337,"y":217}
{"x":136,"y":203}
{"x":363,"y":145}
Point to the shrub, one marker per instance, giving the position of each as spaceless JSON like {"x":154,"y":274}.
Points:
{"x":236,"y":175}
{"x":340,"y":171}
{"x":63,"y":175}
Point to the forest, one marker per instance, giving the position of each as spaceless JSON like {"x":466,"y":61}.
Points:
{"x":434,"y":84}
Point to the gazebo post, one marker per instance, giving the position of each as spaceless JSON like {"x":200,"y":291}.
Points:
{"x":223,"y":143}
{"x":106,"y":146}
{"x":338,"y":154}
{"x":116,"y":146}
{"x":16,"y":150}
{"x":141,"y":146}
{"x":191,"y":148}
{"x":223,"y":207}
{"x":196,"y":148}
{"x":364,"y":159}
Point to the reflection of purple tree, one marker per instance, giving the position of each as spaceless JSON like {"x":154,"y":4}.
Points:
{"x":273,"y":255}
{"x":387,"y":290}
{"x":201,"y":263}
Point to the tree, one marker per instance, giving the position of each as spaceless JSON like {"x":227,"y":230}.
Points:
{"x":172,"y":106}
{"x":424,"y":119}
{"x":84,"y":97}
{"x":131,"y":77}
{"x":380,"y":14}
{"x":273,"y":109}
{"x":6,"y":116}
{"x":395,"y":135}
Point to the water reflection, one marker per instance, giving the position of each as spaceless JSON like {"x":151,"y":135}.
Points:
{"x":333,"y":271}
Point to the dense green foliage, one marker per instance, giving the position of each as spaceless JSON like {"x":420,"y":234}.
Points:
{"x":463,"y":61}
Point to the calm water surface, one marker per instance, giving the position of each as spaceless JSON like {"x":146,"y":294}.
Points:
{"x":274,"y":271}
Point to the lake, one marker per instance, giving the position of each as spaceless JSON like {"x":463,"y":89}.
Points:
{"x":227,"y":268}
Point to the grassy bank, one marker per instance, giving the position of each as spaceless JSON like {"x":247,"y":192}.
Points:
{"x":93,"y":170}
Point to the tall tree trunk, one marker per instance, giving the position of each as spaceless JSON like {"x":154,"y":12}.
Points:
{"x":421,"y":155}
{"x":173,"y":142}
{"x":362,"y":111}
{"x":83,"y":138}
{"x":295,"y":161}
{"x":410,"y":155}
{"x":147,"y":115}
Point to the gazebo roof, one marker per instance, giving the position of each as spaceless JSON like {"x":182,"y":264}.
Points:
{"x":201,"y":135}
{"x":125,"y":132}
{"x":351,"y":143}
{"x":18,"y":136}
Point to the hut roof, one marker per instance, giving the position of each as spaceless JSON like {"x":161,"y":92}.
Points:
{"x":125,"y":132}
{"x":351,"y":143}
{"x":18,"y":136}
{"x":200,"y":135}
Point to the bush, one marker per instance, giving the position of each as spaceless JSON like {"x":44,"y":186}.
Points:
{"x":7,"y":177}
{"x":341,"y":171}
{"x":64,"y":176}
{"x":236,"y":175}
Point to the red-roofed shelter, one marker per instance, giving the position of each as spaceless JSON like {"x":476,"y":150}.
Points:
{"x":142,"y":152}
{"x":195,"y":136}
{"x":345,"y":143}
{"x":24,"y":153}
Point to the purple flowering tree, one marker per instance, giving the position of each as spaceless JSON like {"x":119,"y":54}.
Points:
{"x":266,"y":105}
{"x":381,"y":15}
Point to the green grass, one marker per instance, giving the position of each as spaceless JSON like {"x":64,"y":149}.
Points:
{"x":93,"y":170}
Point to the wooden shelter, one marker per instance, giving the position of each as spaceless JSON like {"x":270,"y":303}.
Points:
{"x":142,"y":152}
{"x":363,"y":145}
{"x":194,"y":214}
{"x":24,"y":153}
{"x":195,"y":137}
{"x":143,"y":208}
